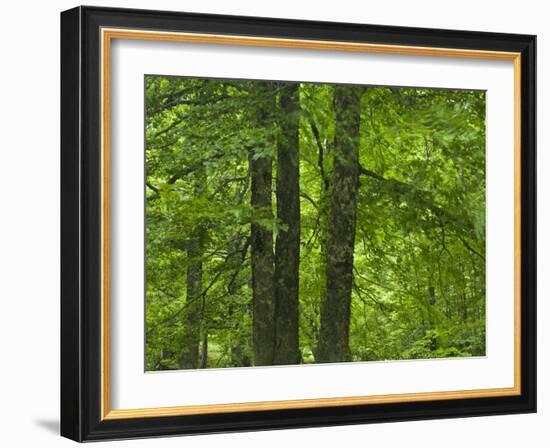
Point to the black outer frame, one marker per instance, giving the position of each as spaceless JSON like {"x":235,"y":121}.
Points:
{"x":80,"y":224}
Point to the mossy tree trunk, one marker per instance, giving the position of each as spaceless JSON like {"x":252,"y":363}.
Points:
{"x":336,"y":307}
{"x":190,"y":355}
{"x":287,"y":249}
{"x":261,"y":239}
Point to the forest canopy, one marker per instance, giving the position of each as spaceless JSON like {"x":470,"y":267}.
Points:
{"x":298,"y":223}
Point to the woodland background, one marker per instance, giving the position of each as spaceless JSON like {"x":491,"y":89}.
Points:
{"x":296,"y":223}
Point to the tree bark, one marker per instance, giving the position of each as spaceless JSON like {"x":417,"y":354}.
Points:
{"x":203,"y":359}
{"x":190,"y":340}
{"x":240,"y":342}
{"x":261,"y":248}
{"x":324,"y":204}
{"x":190,"y":355}
{"x":287,"y":248}
{"x":336,"y":307}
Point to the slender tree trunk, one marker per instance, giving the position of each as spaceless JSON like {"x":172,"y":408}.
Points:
{"x":261,"y":248}
{"x":324,"y":202}
{"x":336,"y":307}
{"x":240,"y":343}
{"x":203,"y":357}
{"x":432,"y":299}
{"x":464,"y":306}
{"x":431,"y":294}
{"x":287,"y":249}
{"x":190,"y":340}
{"x":194,"y":301}
{"x":204,"y":350}
{"x":238,"y":248}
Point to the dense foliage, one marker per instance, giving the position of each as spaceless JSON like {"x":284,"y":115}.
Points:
{"x":299,"y":223}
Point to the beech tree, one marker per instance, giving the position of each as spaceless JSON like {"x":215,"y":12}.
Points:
{"x":194,"y":304}
{"x":262,"y":258}
{"x":287,"y":250}
{"x":336,"y":307}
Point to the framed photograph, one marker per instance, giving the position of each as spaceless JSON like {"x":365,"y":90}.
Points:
{"x":276,"y":224}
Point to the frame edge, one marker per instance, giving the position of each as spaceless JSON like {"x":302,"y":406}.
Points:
{"x":71,"y":85}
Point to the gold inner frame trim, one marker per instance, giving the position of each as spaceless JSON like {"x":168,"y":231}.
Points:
{"x":107,"y":35}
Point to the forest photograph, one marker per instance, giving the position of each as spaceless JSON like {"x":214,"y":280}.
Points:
{"x":303,"y":223}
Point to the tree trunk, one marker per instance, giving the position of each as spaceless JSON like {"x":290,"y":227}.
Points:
{"x":432,"y":299}
{"x":240,"y":342}
{"x":261,"y":249}
{"x":464,"y":307}
{"x":189,"y":357}
{"x":336,"y":307}
{"x":203,"y":363}
{"x":324,"y":203}
{"x":287,"y":248}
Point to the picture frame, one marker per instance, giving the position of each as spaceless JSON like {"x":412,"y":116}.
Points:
{"x":87,"y":34}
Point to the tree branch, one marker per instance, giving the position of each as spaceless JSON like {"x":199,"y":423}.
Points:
{"x":470,"y":248}
{"x":219,"y":272}
{"x":178,"y":174}
{"x":307,"y":197}
{"x":152,"y":187}
{"x":321,"y":150}
{"x":421,"y":196}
